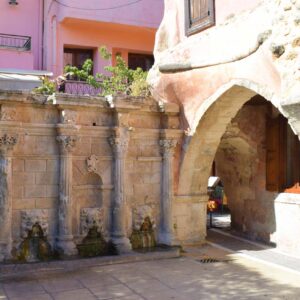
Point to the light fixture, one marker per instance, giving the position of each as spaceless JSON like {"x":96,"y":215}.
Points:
{"x":13,"y":2}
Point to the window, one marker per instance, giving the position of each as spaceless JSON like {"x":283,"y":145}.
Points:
{"x":76,"y":57}
{"x":200,"y":14}
{"x":144,"y":61}
{"x":282,"y":157}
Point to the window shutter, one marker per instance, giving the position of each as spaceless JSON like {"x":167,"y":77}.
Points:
{"x":199,"y":15}
{"x":276,"y":154}
{"x":293,"y":163}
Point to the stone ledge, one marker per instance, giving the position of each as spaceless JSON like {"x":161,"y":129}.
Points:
{"x":287,"y":198}
{"x":13,"y":271}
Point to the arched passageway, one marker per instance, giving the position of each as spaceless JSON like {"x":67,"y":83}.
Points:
{"x":236,"y":134}
{"x":257,"y":158}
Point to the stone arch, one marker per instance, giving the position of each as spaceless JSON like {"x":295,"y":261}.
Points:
{"x":210,"y":123}
{"x":199,"y":151}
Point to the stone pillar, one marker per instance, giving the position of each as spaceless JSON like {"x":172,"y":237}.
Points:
{"x":119,"y":144}
{"x":7,"y":143}
{"x":165,"y":235}
{"x":65,"y":244}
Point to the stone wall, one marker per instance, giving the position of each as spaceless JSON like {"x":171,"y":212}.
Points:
{"x":75,"y":162}
{"x":241,"y":164}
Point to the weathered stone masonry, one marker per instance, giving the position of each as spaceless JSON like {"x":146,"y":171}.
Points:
{"x":77,"y":162}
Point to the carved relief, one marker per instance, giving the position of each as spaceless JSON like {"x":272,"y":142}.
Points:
{"x":31,"y":217}
{"x":140,"y":213}
{"x":67,"y":143}
{"x":90,"y":217}
{"x":69,"y":117}
{"x":92,"y":163}
{"x":8,"y":113}
{"x":7,"y":142}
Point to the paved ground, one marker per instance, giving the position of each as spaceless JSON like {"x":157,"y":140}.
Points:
{"x":219,"y":220}
{"x":233,"y":277}
{"x":241,"y":270}
{"x":253,"y":250}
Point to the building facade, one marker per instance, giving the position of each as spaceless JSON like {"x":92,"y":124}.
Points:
{"x":226,"y":84}
{"x":233,"y":68}
{"x":47,"y":35}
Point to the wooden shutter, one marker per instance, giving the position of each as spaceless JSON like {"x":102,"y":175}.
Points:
{"x":293,"y":163}
{"x":276,"y":155}
{"x":272,"y":155}
{"x":199,"y":15}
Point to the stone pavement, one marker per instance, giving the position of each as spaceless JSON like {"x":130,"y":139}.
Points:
{"x":177,"y":278}
{"x":253,"y":250}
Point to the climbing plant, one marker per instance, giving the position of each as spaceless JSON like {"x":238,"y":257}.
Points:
{"x":120,"y":79}
{"x":48,"y":87}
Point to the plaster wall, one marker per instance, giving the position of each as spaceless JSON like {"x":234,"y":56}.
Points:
{"x":128,"y":27}
{"x":117,"y":38}
{"x":136,"y":13}
{"x":14,"y":59}
{"x":23,"y":19}
{"x":287,"y":207}
{"x":122,"y":29}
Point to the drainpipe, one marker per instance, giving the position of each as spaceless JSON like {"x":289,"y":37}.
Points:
{"x":43,"y":34}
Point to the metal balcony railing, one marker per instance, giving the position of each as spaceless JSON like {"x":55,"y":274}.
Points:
{"x":15,"y":41}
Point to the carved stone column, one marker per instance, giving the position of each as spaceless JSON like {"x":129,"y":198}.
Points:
{"x":165,"y":235}
{"x":65,"y":244}
{"x":7,"y":142}
{"x":119,"y":144}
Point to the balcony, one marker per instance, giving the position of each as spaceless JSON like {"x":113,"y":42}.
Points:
{"x":17,"y":42}
{"x":79,"y":88}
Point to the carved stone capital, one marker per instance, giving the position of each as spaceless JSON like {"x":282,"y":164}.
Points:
{"x":67,"y":143}
{"x":7,"y":142}
{"x":119,"y":145}
{"x":167,"y":146}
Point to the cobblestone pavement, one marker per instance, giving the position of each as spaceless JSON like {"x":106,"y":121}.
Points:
{"x":232,"y":277}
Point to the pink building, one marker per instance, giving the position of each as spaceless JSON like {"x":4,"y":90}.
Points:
{"x":21,"y":29}
{"x":48,"y":34}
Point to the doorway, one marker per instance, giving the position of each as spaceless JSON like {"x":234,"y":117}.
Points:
{"x":257,"y":158}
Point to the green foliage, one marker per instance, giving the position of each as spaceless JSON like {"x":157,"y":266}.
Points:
{"x":88,"y":66}
{"x":120,"y":79}
{"x":74,"y":73}
{"x":48,"y":87}
{"x":70,"y":71}
{"x":93,"y":81}
{"x":104,"y":53}
{"x":82,"y":75}
{"x":139,"y":85}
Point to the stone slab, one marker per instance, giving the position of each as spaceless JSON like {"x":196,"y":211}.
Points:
{"x":19,"y":270}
